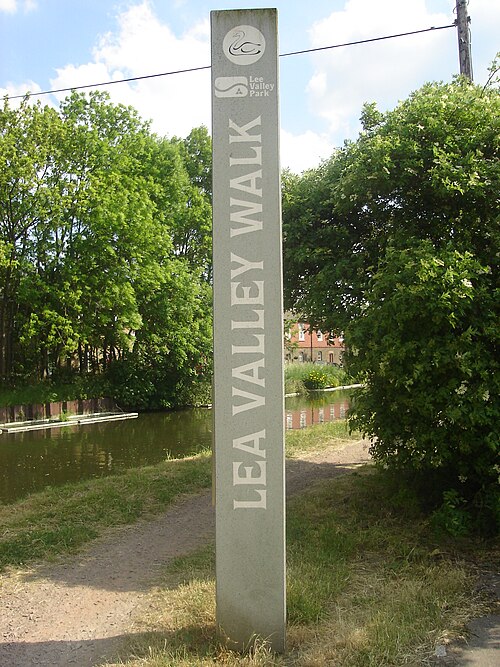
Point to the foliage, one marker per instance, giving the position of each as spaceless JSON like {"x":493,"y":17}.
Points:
{"x":302,"y":376}
{"x":452,"y":516}
{"x":367,"y":584}
{"x":395,"y":241}
{"x":104,"y":246}
{"x":426,"y":348}
{"x":290,"y":330}
{"x":316,"y":379}
{"x":67,"y":387}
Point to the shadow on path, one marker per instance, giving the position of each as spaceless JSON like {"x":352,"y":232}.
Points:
{"x":87,"y":653}
{"x":59,"y":653}
{"x":75,"y":612}
{"x":128,"y":558}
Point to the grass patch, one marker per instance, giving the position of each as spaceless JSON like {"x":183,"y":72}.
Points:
{"x":60,"y":520}
{"x":369,"y":585}
{"x":318,"y":438}
{"x":298,"y":377}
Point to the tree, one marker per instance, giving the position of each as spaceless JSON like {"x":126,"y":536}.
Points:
{"x":27,"y":139}
{"x":193,"y":234}
{"x":395,"y":240}
{"x":104,"y":246}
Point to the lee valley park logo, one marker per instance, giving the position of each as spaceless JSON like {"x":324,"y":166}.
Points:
{"x":243,"y":45}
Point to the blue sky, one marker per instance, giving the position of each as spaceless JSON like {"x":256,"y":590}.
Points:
{"x":46,"y":44}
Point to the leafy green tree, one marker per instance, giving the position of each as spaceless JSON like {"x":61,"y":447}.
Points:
{"x":395,"y":241}
{"x":104,"y":247}
{"x":27,"y":139}
{"x":426,"y":348}
{"x":175,"y":341}
{"x":108,"y":220}
{"x":193,"y":233}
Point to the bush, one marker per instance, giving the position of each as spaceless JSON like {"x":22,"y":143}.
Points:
{"x":130,"y":384}
{"x":294,"y":386}
{"x":426,"y":349}
{"x":316,"y":380}
{"x":301,"y":377}
{"x":395,"y":240}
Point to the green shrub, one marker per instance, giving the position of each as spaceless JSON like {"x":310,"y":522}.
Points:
{"x":301,"y":377}
{"x":427,"y":348}
{"x":316,"y":380}
{"x":294,"y":386}
{"x":452,"y":516}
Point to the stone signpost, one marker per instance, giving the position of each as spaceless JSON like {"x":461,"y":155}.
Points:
{"x":248,"y":329}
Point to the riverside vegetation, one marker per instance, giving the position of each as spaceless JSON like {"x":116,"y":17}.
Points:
{"x":105,"y":264}
{"x":105,"y":252}
{"x":299,"y":378}
{"x":370,"y":579}
{"x":302,"y":377}
{"x":394,"y":242}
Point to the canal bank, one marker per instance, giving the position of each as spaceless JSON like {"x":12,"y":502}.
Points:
{"x":33,"y":460}
{"x":90,"y":605}
{"x":91,"y":418}
{"x":55,"y":410}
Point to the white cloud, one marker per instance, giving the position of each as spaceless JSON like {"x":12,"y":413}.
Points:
{"x":15,"y":90}
{"x":384,"y":71}
{"x":304,"y":151}
{"x":142,"y":46}
{"x":9,"y":6}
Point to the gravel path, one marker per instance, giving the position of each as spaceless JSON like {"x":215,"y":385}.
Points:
{"x":77,"y":612}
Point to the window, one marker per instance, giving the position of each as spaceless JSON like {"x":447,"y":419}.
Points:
{"x":302,"y":334}
{"x":320,"y":356}
{"x":319,"y":335}
{"x":330,"y":356}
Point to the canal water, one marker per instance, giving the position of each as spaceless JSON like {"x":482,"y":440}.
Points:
{"x":33,"y":460}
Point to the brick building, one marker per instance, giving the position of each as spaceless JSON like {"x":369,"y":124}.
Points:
{"x":304,"y":344}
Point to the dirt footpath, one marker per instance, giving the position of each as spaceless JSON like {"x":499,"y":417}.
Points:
{"x":78,"y":612}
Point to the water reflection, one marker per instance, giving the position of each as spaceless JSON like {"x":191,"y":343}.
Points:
{"x":33,"y":460}
{"x":301,"y":412}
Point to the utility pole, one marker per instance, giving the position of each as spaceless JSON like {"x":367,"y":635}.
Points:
{"x":463,"y":31}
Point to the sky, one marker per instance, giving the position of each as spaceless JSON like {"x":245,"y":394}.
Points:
{"x":51,"y":44}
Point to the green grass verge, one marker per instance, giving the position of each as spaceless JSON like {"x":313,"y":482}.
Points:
{"x":297,"y":376}
{"x":60,"y":520}
{"x":369,"y":585}
{"x":318,"y":438}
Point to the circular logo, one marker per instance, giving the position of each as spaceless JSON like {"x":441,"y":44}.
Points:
{"x":244,"y":45}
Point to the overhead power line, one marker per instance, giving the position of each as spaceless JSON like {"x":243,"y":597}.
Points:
{"x":197,"y":69}
{"x":366,"y":41}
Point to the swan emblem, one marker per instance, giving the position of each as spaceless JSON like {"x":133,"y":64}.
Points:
{"x":240,"y":47}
